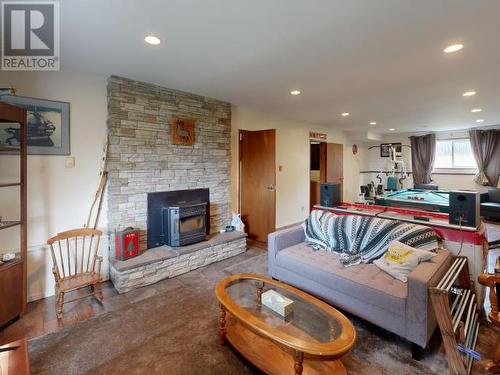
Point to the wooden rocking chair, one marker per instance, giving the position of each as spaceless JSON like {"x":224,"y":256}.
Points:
{"x":76,"y":264}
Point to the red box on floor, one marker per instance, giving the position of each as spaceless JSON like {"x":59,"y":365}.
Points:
{"x":127,"y":243}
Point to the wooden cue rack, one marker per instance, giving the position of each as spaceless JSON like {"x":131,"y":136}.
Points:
{"x":13,"y":273}
{"x":457,"y":314}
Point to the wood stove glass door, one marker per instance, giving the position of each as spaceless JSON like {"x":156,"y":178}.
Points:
{"x":188,"y":224}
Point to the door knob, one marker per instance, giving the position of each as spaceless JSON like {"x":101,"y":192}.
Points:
{"x":271,"y":188}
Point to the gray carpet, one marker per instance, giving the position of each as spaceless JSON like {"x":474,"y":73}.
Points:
{"x":176,"y":333}
{"x":257,"y":264}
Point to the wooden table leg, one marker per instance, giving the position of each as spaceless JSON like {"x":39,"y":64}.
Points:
{"x":493,"y":366}
{"x":299,"y":358}
{"x":259,"y":293}
{"x":222,"y":324}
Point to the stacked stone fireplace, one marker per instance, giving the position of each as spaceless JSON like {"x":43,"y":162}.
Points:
{"x":143,"y":158}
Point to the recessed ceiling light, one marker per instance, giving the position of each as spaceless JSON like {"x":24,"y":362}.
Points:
{"x":373,"y":123}
{"x":391,"y":129}
{"x":295,"y":92}
{"x":453,"y":48}
{"x":469,"y":93}
{"x":475,"y":110}
{"x":345,"y":114}
{"x":151,"y":39}
{"x":480,"y":120}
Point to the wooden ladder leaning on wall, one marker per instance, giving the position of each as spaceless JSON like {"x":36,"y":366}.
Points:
{"x":99,"y":195}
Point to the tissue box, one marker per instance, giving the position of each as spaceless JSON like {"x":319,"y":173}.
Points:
{"x":276,"y":302}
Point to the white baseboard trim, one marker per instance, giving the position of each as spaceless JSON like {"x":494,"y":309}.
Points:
{"x":37,"y":296}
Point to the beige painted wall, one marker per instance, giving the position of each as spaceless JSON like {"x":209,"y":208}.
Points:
{"x":292,"y":153}
{"x":58,"y":197}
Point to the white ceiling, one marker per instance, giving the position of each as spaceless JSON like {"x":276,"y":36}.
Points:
{"x":380,"y":60}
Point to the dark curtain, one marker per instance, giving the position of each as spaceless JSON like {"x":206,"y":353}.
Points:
{"x":485,"y":146}
{"x":423,"y":152}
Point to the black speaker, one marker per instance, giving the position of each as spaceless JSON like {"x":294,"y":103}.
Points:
{"x":329,"y":194}
{"x":365,"y":190}
{"x":464,"y":208}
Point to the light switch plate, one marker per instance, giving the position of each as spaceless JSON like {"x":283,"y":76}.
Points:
{"x":70,"y":162}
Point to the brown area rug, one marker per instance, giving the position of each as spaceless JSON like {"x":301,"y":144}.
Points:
{"x":176,"y":333}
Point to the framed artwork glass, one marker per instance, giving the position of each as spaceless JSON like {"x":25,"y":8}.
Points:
{"x":385,"y":149}
{"x":48,"y":126}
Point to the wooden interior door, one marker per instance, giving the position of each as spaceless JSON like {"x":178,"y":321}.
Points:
{"x":314,"y":186}
{"x":258,"y":182}
{"x":322,"y":162}
{"x":335,"y":164}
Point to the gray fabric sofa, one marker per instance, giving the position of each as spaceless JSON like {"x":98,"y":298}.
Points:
{"x":363,"y":290}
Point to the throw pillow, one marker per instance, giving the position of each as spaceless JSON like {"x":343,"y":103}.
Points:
{"x":400,"y":259}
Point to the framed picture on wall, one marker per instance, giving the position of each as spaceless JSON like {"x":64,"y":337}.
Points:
{"x":48,"y":126}
{"x":385,"y":149}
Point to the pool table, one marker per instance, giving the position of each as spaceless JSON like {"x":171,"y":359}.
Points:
{"x":428,"y":200}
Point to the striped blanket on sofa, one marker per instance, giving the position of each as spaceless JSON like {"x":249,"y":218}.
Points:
{"x":362,"y":239}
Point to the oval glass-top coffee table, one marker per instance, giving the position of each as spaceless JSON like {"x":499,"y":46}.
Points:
{"x":310,"y":340}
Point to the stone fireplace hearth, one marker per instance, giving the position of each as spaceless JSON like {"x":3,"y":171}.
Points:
{"x":165,"y":262}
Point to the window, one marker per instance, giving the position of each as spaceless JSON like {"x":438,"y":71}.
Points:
{"x":454,"y":153}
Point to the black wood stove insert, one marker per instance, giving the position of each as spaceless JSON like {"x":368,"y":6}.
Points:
{"x":178,"y":218}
